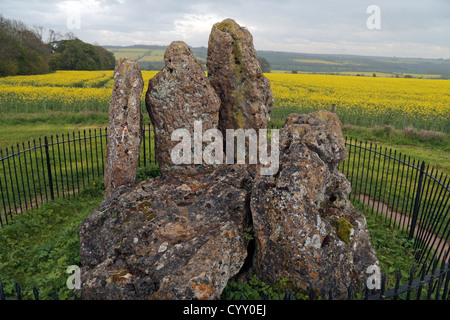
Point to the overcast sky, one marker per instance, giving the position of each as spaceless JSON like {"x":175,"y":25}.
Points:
{"x":407,"y":28}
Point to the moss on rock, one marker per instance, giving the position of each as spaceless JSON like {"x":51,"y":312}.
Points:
{"x":343,"y":229}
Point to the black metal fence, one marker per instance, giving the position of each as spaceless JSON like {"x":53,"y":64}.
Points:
{"x":57,"y":166}
{"x":411,"y":195}
{"x":433,"y":286}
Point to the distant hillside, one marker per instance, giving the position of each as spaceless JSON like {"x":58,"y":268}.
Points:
{"x":151,"y":58}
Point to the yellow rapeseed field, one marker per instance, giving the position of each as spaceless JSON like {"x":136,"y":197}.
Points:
{"x":366,"y":100}
{"x":59,"y":91}
{"x":422,"y":103}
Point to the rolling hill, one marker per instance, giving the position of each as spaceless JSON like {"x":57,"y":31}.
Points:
{"x":150,"y":57}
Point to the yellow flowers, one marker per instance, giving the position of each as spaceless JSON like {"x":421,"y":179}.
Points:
{"x":408,"y":96}
{"x":422,"y":103}
{"x":62,"y":90}
{"x":59,"y":79}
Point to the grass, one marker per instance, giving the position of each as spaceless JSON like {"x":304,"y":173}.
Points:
{"x":394,"y":184}
{"x":431,"y":147}
{"x":155,"y":55}
{"x":75,"y":158}
{"x":393,"y":248}
{"x":55,"y":222}
{"x":318,"y":61}
{"x":13,"y":134}
{"x":40,"y":244}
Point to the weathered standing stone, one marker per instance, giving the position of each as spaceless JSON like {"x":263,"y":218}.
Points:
{"x":125,"y":126}
{"x":235,"y":73}
{"x":306,"y":229}
{"x":184,"y":235}
{"x":177,"y":96}
{"x":174,"y":237}
{"x":320,"y":131}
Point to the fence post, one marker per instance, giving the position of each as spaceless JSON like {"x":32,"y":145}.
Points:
{"x":417,"y":201}
{"x":49,"y":168}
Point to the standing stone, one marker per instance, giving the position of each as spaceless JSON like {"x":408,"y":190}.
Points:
{"x":235,"y":73}
{"x":306,"y":229}
{"x":320,"y":131}
{"x":173,"y":237}
{"x":177,"y":96}
{"x":125,"y":126}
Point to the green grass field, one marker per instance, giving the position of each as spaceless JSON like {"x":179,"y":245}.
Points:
{"x":40,"y":243}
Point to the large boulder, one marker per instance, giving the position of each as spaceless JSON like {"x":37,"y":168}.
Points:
{"x":184,"y":235}
{"x":125,"y":126}
{"x":320,"y":131}
{"x":178,"y":96}
{"x":235,"y":73}
{"x":306,"y":229}
{"x":167,"y":238}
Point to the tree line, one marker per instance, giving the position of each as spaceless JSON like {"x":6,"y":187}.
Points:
{"x":23,"y":51}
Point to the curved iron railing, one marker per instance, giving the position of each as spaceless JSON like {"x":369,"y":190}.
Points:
{"x":411,"y":195}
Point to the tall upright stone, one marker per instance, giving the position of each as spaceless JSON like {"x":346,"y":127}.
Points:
{"x":177,"y":97}
{"x":306,"y":230}
{"x":235,"y":73}
{"x":125,"y":126}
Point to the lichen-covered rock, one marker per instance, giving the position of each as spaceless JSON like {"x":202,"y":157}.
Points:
{"x":174,"y":237}
{"x":306,"y":229}
{"x":125,"y":126}
{"x":177,"y":96}
{"x":320,"y":131}
{"x":235,"y":73}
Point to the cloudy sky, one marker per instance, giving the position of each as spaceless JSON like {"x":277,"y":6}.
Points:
{"x":405,"y":28}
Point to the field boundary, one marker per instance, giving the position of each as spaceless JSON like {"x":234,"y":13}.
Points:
{"x":59,"y":166}
{"x":413,"y":197}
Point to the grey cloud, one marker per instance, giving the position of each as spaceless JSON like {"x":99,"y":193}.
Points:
{"x":407,"y":26}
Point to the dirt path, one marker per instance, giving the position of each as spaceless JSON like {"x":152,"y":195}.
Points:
{"x":402,"y":220}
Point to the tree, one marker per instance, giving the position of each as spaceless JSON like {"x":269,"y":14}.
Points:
{"x":265,"y":65}
{"x":22,"y":50}
{"x":74,"y":54}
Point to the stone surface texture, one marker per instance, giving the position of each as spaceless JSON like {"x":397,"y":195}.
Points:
{"x":235,"y":73}
{"x":185,"y":234}
{"x":306,"y":229}
{"x":177,"y":96}
{"x":125,"y":126}
{"x":167,"y":238}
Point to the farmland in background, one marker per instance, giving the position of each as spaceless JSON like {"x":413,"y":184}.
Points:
{"x":150,"y":57}
{"x":367,"y":101}
{"x":67,"y":101}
